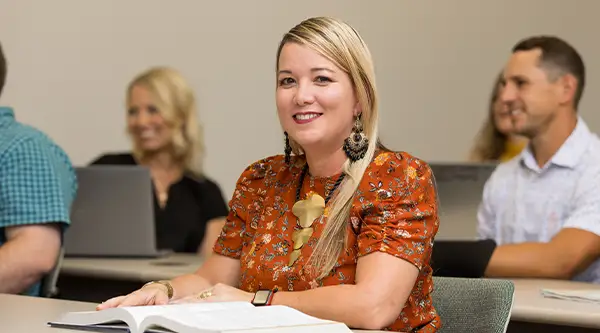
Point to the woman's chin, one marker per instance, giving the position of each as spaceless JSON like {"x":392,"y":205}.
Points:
{"x":151,"y":148}
{"x":307,"y":142}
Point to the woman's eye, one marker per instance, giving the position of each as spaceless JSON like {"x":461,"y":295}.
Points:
{"x":322,"y":79}
{"x":152,"y":109}
{"x":132,"y":111}
{"x":286,"y":81}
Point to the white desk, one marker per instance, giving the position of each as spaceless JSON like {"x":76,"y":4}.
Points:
{"x":529,"y":306}
{"x":115,"y":276}
{"x":22,"y":314}
{"x":139,"y":270}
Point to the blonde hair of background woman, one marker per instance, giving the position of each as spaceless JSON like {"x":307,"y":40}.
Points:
{"x":342,"y":45}
{"x":176,"y":103}
{"x":490,"y":143}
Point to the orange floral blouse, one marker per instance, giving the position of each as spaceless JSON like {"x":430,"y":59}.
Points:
{"x":394,"y":211}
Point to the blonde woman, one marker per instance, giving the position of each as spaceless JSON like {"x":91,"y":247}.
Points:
{"x":338,"y":227}
{"x":162,"y":123}
{"x":494,"y":142}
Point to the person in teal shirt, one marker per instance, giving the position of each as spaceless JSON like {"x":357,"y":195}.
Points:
{"x":37,"y":187}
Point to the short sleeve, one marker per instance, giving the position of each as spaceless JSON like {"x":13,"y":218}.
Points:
{"x":38,"y":184}
{"x":214,"y":203}
{"x":485,"y":213}
{"x":585,"y":213}
{"x":403,"y":218}
{"x":245,"y":205}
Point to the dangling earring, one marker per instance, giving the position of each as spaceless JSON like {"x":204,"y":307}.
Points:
{"x":356,"y":145}
{"x":288,"y":149}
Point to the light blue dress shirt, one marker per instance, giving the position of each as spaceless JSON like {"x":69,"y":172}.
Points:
{"x":525,"y":203}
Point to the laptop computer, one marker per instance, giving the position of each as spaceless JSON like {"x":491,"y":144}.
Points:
{"x":467,"y":259}
{"x":112,"y":214}
{"x":460,"y":190}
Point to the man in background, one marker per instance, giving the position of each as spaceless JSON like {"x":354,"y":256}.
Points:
{"x":37,"y":187}
{"x":543,"y":206}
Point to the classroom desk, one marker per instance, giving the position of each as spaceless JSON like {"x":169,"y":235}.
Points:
{"x":530,"y":310}
{"x":117,"y":276}
{"x":141,"y":270}
{"x":23,"y":314}
{"x":533,"y":311}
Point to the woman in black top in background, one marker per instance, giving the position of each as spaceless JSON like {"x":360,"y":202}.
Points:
{"x":162,"y":123}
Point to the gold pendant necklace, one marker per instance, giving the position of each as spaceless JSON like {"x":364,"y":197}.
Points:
{"x":306,"y":212}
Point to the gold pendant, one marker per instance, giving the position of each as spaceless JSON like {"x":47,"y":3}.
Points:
{"x":293,"y":257}
{"x":300,"y":237}
{"x":309,"y":209}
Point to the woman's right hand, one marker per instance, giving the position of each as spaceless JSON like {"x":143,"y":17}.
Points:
{"x":148,"y":295}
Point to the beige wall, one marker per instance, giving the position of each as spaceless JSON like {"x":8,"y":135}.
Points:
{"x":70,"y":61}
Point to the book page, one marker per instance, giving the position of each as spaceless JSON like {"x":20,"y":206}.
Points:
{"x":141,"y":312}
{"x":134,"y":315}
{"x":192,"y":320}
{"x":108,"y":328}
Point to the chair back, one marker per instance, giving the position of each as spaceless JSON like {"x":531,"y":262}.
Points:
{"x":48,"y":284}
{"x":473,"y":305}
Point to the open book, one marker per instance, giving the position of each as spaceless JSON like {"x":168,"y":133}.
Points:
{"x":199,"y":318}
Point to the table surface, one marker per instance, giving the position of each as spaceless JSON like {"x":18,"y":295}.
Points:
{"x":141,"y":270}
{"x":529,"y":305}
{"x":24,"y":314}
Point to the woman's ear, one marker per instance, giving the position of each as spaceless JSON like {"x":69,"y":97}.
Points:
{"x":357,"y":110}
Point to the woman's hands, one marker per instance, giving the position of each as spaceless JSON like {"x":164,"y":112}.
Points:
{"x":218,"y":293}
{"x":154,"y":294}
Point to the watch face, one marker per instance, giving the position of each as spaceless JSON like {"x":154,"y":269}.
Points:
{"x":261,"y":297}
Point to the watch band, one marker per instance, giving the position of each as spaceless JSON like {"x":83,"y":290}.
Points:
{"x":271,"y":295}
{"x":264,"y":297}
{"x":165,"y":283}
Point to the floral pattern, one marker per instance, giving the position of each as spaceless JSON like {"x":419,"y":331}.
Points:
{"x":394,"y":211}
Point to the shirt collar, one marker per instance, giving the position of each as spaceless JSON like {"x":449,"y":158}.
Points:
{"x":570,"y":152}
{"x":7,"y":116}
{"x":6,"y":112}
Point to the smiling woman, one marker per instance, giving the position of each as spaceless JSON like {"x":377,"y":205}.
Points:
{"x":496,"y":141}
{"x":338,"y":226}
{"x":163,"y":126}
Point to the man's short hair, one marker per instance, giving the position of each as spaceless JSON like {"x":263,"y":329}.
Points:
{"x":558,"y":58}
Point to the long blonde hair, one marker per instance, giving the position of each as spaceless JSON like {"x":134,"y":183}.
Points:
{"x":342,"y":45}
{"x":490,"y":143}
{"x":177,"y":105}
